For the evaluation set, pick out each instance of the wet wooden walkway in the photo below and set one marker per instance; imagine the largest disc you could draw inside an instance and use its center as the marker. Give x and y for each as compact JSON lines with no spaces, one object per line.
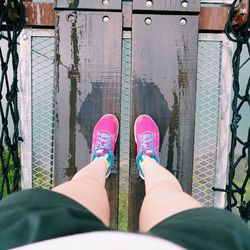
{"x":163,"y":80}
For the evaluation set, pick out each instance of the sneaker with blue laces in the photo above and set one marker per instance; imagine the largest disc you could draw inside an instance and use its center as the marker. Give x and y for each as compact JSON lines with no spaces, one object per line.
{"x":103,"y":140}
{"x":147,"y":138}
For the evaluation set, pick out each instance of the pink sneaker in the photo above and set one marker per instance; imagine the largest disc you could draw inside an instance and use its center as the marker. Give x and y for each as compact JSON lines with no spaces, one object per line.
{"x":147,"y":138}
{"x":104,"y":138}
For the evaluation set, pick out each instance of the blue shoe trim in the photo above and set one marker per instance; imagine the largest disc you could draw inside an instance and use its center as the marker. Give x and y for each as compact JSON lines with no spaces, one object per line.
{"x":139,"y":161}
{"x":104,"y":141}
{"x":110,"y":159}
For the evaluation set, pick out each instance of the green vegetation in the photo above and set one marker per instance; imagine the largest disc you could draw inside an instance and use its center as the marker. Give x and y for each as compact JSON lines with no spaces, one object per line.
{"x":42,"y":177}
{"x":200,"y":183}
{"x":7,"y":159}
{"x":123,"y":212}
{"x":239,"y":178}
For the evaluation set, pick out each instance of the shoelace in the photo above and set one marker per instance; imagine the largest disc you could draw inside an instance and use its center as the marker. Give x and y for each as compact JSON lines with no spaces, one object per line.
{"x":104,"y":141}
{"x":146,"y":142}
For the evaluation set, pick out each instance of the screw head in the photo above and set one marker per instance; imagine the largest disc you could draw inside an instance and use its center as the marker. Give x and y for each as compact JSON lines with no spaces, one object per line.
{"x":148,"y":20}
{"x":149,"y":3}
{"x":243,"y":11}
{"x":105,"y":19}
{"x":71,"y":18}
{"x":183,"y":21}
{"x":184,"y":4}
{"x":105,"y":2}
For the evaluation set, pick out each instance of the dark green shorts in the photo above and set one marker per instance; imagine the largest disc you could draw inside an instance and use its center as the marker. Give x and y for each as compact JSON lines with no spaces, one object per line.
{"x":36,"y":215}
{"x":205,"y":228}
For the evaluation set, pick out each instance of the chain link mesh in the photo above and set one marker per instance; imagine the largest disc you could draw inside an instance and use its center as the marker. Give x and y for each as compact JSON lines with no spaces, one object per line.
{"x":207,"y":115}
{"x":43,"y":73}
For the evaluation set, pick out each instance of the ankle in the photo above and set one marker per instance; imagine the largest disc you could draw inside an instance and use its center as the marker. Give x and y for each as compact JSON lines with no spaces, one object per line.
{"x":146,"y":161}
{"x":106,"y":159}
{"x":102,"y":161}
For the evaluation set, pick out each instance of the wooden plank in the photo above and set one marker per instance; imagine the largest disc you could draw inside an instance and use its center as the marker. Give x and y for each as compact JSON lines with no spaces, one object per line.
{"x":88,"y":60}
{"x":213,"y":19}
{"x":164,"y":59}
{"x":39,"y":14}
{"x":43,"y":14}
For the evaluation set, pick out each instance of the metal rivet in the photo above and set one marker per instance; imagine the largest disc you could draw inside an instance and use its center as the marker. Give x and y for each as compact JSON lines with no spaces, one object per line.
{"x":105,"y":2}
{"x":148,"y":20}
{"x":71,"y":18}
{"x":25,"y":37}
{"x":105,"y":19}
{"x":184,"y":4}
{"x":183,"y":21}
{"x":243,"y":11}
{"x":149,"y":3}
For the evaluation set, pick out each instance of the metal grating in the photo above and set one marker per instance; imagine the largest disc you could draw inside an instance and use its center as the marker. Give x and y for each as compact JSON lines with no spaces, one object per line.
{"x":207,"y":119}
{"x":42,"y":92}
{"x":124,"y":134}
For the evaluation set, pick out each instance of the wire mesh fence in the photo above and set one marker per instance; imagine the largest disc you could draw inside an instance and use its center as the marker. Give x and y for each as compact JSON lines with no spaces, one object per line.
{"x":43,"y":78}
{"x":207,"y":118}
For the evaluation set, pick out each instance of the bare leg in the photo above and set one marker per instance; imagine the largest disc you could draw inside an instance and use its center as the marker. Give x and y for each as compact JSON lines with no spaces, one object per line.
{"x":164,"y":196}
{"x":87,"y":187}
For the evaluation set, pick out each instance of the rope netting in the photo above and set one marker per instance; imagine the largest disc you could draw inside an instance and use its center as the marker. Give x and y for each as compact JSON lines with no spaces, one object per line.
{"x":11,"y":23}
{"x":237,"y":190}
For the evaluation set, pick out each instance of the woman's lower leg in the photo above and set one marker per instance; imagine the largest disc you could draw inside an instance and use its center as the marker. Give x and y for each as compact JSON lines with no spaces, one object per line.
{"x":164,"y":195}
{"x":87,"y":187}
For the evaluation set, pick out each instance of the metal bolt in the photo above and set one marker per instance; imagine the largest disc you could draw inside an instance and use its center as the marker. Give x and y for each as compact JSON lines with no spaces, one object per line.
{"x":71,"y":18}
{"x":243,"y":11}
{"x":105,"y":2}
{"x":105,"y":19}
{"x":25,"y":37}
{"x":149,"y":3}
{"x":148,"y":21}
{"x":183,"y":21}
{"x":184,"y":4}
